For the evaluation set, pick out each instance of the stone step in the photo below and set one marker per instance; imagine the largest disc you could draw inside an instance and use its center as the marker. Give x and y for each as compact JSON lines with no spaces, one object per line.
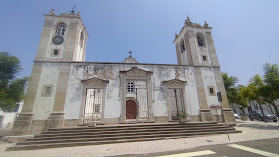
{"x":82,"y":129}
{"x":128,"y":132}
{"x":123,"y":136}
{"x":98,"y":131}
{"x":138,"y":125}
{"x":56,"y":145}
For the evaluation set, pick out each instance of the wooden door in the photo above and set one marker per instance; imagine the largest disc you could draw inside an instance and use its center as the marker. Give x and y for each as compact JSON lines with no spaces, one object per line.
{"x":131,"y":109}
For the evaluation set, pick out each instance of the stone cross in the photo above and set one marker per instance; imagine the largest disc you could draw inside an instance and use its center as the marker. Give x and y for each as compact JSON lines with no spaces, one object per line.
{"x":130,"y":53}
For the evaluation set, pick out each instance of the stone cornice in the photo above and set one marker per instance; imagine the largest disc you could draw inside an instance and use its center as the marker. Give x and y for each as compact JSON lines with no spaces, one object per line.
{"x":135,"y":64}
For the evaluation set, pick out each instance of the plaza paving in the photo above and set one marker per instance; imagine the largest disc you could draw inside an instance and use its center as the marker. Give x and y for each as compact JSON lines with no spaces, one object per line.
{"x":251,"y":130}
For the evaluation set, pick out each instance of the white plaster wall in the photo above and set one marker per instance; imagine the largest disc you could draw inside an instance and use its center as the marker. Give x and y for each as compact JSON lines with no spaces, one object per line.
{"x":43,"y":105}
{"x":112,"y":100}
{"x":160,"y":74}
{"x":209,"y":80}
{"x":112,"y":106}
{"x":74,"y":93}
{"x":193,"y":106}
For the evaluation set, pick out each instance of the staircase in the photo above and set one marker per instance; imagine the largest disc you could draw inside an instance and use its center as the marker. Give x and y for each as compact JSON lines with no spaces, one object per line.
{"x":84,"y":135}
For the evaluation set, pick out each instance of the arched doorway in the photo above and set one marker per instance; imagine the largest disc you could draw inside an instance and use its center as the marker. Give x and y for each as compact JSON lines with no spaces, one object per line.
{"x":131,"y":109}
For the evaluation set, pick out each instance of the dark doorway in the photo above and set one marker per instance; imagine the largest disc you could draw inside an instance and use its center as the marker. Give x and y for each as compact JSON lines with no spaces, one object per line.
{"x":131,"y":109}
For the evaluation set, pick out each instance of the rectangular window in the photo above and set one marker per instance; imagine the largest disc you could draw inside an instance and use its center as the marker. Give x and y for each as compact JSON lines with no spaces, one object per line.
{"x":47,"y":90}
{"x":211,"y":91}
{"x":55,"y":52}
{"x":130,"y":87}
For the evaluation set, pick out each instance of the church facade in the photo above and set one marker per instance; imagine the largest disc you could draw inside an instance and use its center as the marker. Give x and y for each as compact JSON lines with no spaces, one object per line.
{"x":65,"y":91}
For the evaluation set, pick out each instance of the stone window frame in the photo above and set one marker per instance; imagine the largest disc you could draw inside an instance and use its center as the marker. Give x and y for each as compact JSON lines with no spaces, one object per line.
{"x":127,"y":85}
{"x":209,"y":91}
{"x":44,"y":94}
{"x":52,"y":52}
{"x":206,"y":58}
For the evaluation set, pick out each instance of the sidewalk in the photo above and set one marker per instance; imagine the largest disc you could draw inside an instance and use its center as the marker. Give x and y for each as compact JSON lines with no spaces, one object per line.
{"x":251,"y":130}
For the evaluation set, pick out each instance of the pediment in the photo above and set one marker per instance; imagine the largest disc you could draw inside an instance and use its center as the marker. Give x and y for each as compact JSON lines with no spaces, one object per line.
{"x":175,"y":82}
{"x":95,"y":80}
{"x":136,"y":71}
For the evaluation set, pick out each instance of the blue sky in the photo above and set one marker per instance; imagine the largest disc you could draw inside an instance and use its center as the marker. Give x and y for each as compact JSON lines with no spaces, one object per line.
{"x":245,"y":33}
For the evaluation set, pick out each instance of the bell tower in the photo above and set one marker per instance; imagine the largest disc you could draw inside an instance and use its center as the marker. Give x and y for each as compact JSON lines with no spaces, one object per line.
{"x":195,"y":49}
{"x":63,"y":38}
{"x":194,"y":45}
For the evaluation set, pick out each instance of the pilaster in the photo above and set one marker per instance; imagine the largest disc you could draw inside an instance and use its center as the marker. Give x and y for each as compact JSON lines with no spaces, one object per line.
{"x":57,"y":115}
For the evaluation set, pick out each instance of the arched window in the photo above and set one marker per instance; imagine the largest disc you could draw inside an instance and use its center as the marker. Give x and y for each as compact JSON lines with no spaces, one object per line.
{"x":81,"y":39}
{"x":60,"y":30}
{"x":200,"y":39}
{"x":182,"y":46}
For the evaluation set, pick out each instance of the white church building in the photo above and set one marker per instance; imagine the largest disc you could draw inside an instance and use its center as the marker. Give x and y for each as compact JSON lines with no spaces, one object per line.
{"x":66,"y":91}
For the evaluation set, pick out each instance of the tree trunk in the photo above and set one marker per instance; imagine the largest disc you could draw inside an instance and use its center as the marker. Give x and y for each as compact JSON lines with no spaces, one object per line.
{"x":262,"y":112}
{"x":276,"y":109}
{"x":255,"y":106}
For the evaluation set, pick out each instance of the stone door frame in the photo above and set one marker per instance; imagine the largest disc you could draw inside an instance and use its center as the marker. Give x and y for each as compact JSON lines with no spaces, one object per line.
{"x":91,"y":84}
{"x":135,"y":74}
{"x":175,"y":84}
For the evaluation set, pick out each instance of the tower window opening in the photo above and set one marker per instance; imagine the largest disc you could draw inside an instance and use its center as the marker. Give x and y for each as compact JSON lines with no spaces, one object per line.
{"x":182,"y":46}
{"x":200,"y":39}
{"x":211,"y":90}
{"x":81,"y":39}
{"x":60,"y":30}
{"x":204,"y":58}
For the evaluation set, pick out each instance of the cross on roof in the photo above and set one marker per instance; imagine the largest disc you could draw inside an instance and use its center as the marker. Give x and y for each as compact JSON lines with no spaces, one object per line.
{"x":130,"y":53}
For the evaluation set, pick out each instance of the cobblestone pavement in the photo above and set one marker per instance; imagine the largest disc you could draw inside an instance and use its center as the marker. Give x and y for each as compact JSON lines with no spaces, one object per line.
{"x":251,"y":130}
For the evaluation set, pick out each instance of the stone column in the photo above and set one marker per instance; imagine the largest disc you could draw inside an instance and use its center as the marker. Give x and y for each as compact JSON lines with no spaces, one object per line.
{"x":205,"y":113}
{"x":22,"y":124}
{"x":56,"y":118}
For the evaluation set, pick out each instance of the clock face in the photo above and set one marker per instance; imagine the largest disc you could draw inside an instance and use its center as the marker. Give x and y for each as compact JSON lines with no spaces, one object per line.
{"x":57,"y":40}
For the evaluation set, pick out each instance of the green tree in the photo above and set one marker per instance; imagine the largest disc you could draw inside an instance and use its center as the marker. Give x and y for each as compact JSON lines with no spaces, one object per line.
{"x":270,"y":89}
{"x":254,"y":93}
{"x":11,"y":88}
{"x":233,"y":92}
